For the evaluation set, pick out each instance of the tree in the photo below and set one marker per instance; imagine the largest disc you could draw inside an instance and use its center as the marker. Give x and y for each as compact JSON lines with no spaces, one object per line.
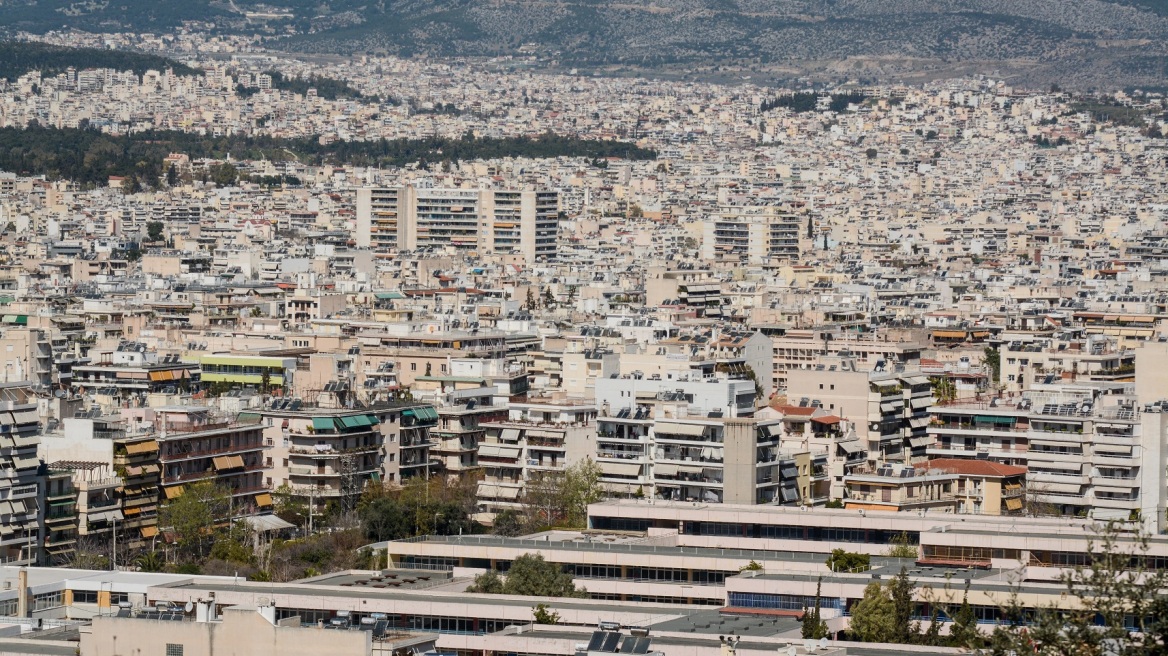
{"x":944,"y":389}
{"x":871,"y":153}
{"x":814,"y":627}
{"x":488,"y":582}
{"x":150,"y":561}
{"x":508,"y":523}
{"x":154,"y":230}
{"x":387,"y":519}
{"x":963,"y":633}
{"x":549,"y":299}
{"x":193,"y":516}
{"x":224,"y":175}
{"x":900,"y":589}
{"x":543,"y":615}
{"x":993,"y":360}
{"x":1119,"y":585}
{"x":581,"y":487}
{"x":902,"y":547}
{"x":873,"y":617}
{"x":846,"y":561}
{"x":530,"y":303}
{"x":532,"y":576}
{"x":171,"y":175}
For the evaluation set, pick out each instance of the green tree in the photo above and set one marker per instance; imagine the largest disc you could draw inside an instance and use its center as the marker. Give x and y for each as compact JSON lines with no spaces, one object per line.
{"x":902,"y":547}
{"x":846,"y":561}
{"x":900,"y":589}
{"x":154,"y":230}
{"x":387,"y":519}
{"x":224,"y":175}
{"x":874,"y":617}
{"x":150,"y":561}
{"x":549,"y":299}
{"x":993,"y":360}
{"x":814,"y":627}
{"x":194,"y":515}
{"x":1118,"y":585}
{"x":508,"y":523}
{"x":172,"y":176}
{"x":963,"y":632}
{"x":532,"y":576}
{"x":542,"y":615}
{"x":489,"y":582}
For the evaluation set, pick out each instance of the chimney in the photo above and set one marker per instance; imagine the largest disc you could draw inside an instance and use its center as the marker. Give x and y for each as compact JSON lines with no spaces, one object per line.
{"x":22,"y":593}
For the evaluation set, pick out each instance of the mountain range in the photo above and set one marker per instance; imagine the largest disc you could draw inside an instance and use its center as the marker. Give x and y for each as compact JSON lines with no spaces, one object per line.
{"x":1074,"y":43}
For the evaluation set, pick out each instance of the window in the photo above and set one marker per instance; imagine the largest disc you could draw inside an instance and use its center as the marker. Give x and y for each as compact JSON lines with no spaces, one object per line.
{"x":413,"y":366}
{"x":173,"y":649}
{"x":85,"y":596}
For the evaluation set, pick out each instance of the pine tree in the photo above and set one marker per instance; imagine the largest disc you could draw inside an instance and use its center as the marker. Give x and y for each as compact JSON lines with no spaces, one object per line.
{"x":873,"y":618}
{"x":901,"y":590}
{"x":964,"y":631}
{"x":814,"y":627}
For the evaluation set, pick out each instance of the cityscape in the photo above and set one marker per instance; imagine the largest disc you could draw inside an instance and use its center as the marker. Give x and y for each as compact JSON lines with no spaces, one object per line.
{"x":314,"y":345}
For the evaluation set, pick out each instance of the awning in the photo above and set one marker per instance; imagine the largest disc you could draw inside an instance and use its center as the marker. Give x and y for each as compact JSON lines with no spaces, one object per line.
{"x":494,"y":491}
{"x":992,"y":419}
{"x":1014,"y":504}
{"x":172,"y":492}
{"x":267,"y":523}
{"x":1013,"y":486}
{"x":509,"y":435}
{"x":789,"y":494}
{"x":248,"y":417}
{"x":26,"y":462}
{"x":665,"y":470}
{"x":149,"y":531}
{"x":26,"y":417}
{"x":920,"y":442}
{"x":923,"y":402}
{"x":1058,"y":488}
{"x":149,"y":446}
{"x":323,"y":424}
{"x":690,"y":430}
{"x":498,"y":451}
{"x":425,"y":413}
{"x":161,"y":375}
{"x":948,"y":334}
{"x":264,"y":499}
{"x":890,"y":407}
{"x":620,"y":468}
{"x":688,"y":469}
{"x":222,"y":463}
{"x":918,"y":422}
{"x":789,"y":471}
{"x":109,"y":515}
{"x":851,"y":446}
{"x":772,"y":430}
{"x":917,"y":380}
{"x":351,"y":422}
{"x":131,"y":512}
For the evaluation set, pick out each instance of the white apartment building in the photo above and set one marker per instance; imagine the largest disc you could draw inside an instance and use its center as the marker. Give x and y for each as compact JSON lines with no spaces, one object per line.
{"x":524,"y":224}
{"x":753,"y":235}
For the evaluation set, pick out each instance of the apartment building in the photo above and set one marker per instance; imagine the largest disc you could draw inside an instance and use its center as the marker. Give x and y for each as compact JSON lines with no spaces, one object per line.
{"x":115,"y":476}
{"x":331,"y":454}
{"x":20,"y":431}
{"x":942,"y":485}
{"x":537,"y":438}
{"x":754,"y":235}
{"x":804,"y":349}
{"x":887,"y":406}
{"x":196,"y":445}
{"x":1090,"y":448}
{"x":524,"y":224}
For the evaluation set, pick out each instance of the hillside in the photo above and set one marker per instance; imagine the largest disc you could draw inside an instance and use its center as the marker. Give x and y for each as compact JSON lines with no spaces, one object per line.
{"x":1077,"y":43}
{"x":18,"y":58}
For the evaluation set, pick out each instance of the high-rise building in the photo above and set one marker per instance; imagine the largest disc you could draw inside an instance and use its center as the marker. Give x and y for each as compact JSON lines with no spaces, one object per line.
{"x":486,"y":221}
{"x":19,"y":515}
{"x":754,"y":235}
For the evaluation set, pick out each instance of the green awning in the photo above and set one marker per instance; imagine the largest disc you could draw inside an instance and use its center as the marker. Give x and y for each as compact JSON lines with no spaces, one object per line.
{"x":990,"y":419}
{"x":389,"y":296}
{"x":323,"y":424}
{"x":19,"y":319}
{"x":426,"y":413}
{"x":350,"y":422}
{"x":248,"y":417}
{"x":375,"y":477}
{"x":373,"y":420}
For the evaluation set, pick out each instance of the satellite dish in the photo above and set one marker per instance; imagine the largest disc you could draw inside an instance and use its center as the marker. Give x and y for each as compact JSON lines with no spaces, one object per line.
{"x":189,"y":607}
{"x":823,"y":643}
{"x":809,"y":646}
{"x":792,"y":651}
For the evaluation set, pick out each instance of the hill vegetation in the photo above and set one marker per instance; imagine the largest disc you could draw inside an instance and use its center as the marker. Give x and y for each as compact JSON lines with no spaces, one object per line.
{"x":19,"y":57}
{"x":89,"y":157}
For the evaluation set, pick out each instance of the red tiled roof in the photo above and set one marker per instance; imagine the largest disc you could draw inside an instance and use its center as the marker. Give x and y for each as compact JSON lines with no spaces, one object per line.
{"x":973,"y":467}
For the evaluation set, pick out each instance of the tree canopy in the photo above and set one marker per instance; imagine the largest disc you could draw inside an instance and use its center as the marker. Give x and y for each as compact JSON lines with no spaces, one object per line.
{"x":530,"y":576}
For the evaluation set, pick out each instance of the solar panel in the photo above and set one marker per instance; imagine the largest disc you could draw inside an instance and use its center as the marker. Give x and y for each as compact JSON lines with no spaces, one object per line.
{"x":627,"y":645}
{"x":611,"y":640}
{"x":642,"y":645}
{"x":597,"y":641}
